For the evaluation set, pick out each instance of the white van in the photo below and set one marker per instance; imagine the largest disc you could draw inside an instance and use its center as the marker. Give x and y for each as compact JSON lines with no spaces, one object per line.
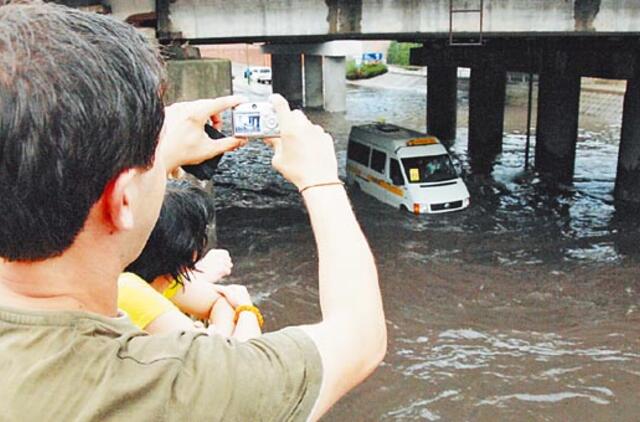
{"x":404,"y":168}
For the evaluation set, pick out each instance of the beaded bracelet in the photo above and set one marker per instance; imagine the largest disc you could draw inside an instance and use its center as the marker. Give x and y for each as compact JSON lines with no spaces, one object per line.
{"x":339,"y":182}
{"x":249,"y":308}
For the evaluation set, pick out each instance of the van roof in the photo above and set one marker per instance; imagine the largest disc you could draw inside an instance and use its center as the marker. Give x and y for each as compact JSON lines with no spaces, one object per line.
{"x":389,"y":136}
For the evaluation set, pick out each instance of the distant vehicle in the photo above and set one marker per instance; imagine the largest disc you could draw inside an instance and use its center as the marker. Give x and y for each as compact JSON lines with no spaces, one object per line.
{"x":259,"y":74}
{"x":405,"y":169}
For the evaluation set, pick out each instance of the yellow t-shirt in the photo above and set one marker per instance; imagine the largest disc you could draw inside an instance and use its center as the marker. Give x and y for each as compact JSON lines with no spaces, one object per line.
{"x":140,"y":301}
{"x":172,"y":290}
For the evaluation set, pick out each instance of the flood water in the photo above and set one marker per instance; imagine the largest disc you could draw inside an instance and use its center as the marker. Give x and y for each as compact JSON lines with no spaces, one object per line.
{"x":526,"y":306}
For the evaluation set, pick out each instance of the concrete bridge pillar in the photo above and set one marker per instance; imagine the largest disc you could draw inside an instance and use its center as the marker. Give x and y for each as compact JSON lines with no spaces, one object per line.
{"x":335,"y":84}
{"x":324,"y":72}
{"x":628,"y":175}
{"x":313,"y":82}
{"x":442,"y":97}
{"x":487,"y":91}
{"x":286,"y":70}
{"x":557,"y":125}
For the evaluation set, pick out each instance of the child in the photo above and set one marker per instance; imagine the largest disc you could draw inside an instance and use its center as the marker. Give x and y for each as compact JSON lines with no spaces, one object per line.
{"x":180,"y":276}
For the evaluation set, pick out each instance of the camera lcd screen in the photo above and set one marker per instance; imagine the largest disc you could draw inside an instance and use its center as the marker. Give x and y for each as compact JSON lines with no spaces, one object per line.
{"x":247,"y":123}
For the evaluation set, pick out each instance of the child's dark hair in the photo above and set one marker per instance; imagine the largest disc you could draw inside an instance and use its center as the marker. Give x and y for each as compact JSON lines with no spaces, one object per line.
{"x":179,"y":238}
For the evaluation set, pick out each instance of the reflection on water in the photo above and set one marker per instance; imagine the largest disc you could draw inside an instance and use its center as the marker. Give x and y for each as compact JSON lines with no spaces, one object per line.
{"x":523,"y":307}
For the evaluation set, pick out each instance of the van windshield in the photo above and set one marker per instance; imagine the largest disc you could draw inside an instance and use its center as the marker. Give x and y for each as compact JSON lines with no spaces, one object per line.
{"x":435,"y":168}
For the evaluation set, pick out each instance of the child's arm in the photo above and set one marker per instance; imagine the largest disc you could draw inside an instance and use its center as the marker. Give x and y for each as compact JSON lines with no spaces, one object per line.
{"x":221,"y":317}
{"x":170,"y":321}
{"x":203,"y":301}
{"x":198,"y":296}
{"x":247,"y":325}
{"x":194,"y":297}
{"x":148,"y":309}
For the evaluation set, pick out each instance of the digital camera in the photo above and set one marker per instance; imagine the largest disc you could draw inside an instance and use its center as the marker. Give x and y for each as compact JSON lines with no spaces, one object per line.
{"x":255,"y":120}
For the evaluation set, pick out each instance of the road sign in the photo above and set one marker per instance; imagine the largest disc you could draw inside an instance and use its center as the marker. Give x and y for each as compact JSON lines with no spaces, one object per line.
{"x":371,"y":57}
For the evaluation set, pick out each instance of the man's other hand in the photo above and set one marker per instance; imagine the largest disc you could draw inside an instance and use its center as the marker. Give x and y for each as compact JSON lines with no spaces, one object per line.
{"x":304,"y":153}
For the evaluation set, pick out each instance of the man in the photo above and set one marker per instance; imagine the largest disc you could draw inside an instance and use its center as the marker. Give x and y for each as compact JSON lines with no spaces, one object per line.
{"x":85,"y":147}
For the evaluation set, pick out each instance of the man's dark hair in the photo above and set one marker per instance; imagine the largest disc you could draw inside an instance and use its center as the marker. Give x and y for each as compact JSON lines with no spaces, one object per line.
{"x":179,"y":238}
{"x":80,"y":101}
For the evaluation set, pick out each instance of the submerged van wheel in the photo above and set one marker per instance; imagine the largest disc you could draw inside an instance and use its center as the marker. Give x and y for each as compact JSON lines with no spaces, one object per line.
{"x":355,"y":188}
{"x":403,"y":208}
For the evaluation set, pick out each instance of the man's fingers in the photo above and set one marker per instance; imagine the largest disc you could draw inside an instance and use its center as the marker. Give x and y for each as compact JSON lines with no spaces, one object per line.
{"x":273,"y":142}
{"x":276,"y":145}
{"x":280,"y":105}
{"x":226,"y":144}
{"x":298,"y":114}
{"x":203,"y":109}
{"x":216,"y":148}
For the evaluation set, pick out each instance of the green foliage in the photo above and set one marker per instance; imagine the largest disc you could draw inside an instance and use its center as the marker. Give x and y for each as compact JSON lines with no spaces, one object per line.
{"x":398,"y":52}
{"x":365,"y":71}
{"x":352,"y":69}
{"x":373,"y":69}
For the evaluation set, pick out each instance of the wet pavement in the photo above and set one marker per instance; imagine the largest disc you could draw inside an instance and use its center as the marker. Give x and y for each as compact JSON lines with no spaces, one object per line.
{"x":526,"y":306}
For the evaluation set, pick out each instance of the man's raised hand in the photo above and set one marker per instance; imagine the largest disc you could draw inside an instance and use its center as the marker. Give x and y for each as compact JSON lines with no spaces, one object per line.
{"x":304,"y":152}
{"x":183,"y":139}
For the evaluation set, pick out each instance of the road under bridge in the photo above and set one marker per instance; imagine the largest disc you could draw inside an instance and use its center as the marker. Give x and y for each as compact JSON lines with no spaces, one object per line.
{"x":559,"y":41}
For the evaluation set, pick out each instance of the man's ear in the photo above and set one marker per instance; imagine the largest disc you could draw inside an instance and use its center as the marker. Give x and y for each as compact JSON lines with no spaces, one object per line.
{"x":118,"y":198}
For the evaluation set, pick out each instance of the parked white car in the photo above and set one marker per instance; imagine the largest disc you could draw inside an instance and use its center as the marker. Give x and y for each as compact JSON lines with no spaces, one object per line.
{"x":259,"y":74}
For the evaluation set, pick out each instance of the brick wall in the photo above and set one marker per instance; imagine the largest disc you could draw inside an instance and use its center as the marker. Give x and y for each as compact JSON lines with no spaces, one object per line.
{"x":238,"y":53}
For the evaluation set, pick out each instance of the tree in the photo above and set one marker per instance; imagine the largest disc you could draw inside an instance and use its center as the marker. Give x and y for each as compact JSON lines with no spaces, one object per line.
{"x":398,"y":52}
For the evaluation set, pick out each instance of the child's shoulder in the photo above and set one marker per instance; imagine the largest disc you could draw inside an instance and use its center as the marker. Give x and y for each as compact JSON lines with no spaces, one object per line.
{"x":140,"y":301}
{"x":132,"y":280}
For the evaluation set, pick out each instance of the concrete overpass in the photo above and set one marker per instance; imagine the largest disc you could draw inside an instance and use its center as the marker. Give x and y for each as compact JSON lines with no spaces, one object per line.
{"x":215,"y":21}
{"x":559,"y":40}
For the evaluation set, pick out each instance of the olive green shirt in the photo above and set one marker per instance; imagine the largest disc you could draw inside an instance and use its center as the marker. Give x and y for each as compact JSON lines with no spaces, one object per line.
{"x":76,"y":366}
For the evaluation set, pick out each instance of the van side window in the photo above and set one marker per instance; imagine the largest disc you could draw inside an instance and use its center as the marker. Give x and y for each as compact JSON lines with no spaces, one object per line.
{"x":358,"y":153}
{"x":378,"y":161}
{"x":395,"y":173}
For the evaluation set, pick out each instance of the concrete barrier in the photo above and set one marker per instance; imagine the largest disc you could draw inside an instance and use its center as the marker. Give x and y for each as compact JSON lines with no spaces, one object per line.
{"x":195,"y":79}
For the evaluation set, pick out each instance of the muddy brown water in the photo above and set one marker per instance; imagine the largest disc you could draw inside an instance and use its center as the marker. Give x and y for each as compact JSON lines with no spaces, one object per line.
{"x":526,"y":306}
